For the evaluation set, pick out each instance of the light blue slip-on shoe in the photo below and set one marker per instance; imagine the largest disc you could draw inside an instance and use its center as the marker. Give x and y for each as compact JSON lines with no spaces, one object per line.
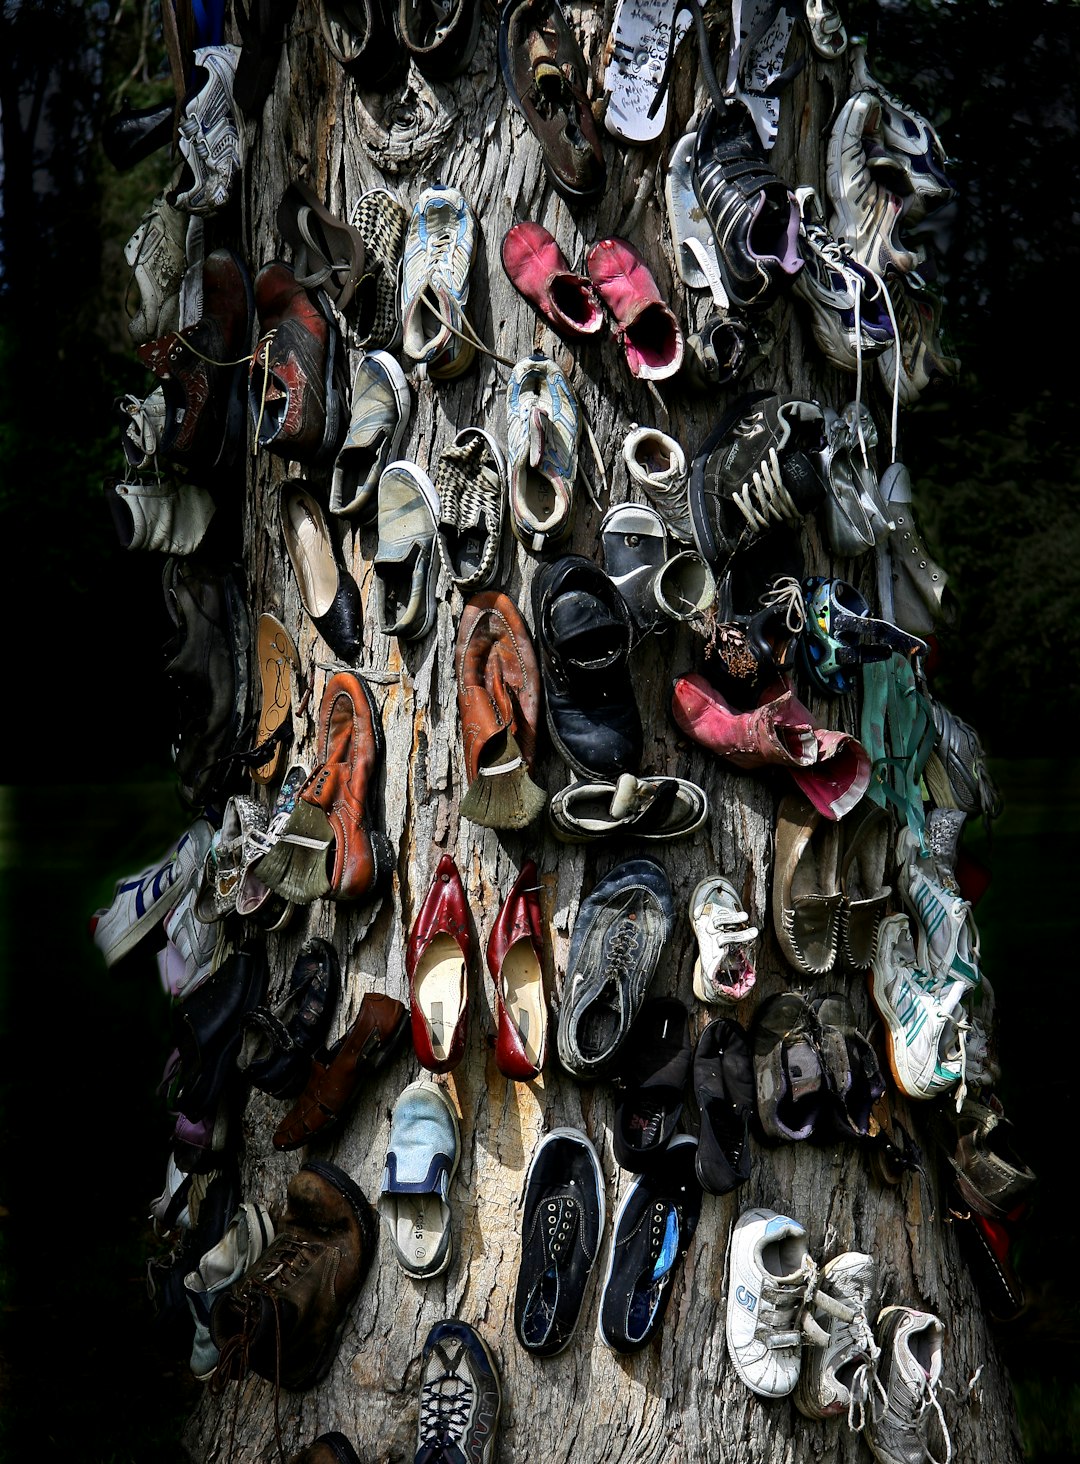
{"x":421,"y":1160}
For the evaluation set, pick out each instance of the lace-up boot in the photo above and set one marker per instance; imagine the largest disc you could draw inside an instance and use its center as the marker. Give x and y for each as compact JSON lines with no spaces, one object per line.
{"x":756,"y":470}
{"x":283,"y":1319}
{"x":769,"y":1268}
{"x":459,"y":1397}
{"x":838,"y":1370}
{"x":910,"y":1366}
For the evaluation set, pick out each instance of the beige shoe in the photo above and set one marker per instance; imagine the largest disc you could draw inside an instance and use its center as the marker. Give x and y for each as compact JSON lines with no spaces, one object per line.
{"x":806,"y":898}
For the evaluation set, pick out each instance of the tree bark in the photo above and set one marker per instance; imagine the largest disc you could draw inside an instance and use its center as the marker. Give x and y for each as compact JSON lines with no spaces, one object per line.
{"x":680,"y":1399}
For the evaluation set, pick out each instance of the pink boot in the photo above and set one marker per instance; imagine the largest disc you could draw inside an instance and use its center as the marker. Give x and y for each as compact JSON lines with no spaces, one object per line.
{"x":538,"y":270}
{"x":648,"y":329}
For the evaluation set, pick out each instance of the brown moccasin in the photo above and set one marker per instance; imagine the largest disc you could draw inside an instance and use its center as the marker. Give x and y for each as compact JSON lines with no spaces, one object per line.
{"x":806,"y":898}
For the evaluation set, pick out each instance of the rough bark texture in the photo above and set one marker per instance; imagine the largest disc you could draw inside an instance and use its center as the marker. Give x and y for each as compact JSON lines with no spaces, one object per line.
{"x":680,"y":1399}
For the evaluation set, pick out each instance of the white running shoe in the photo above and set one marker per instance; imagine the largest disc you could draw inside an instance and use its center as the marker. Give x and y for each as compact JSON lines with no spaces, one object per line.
{"x":946,"y":936}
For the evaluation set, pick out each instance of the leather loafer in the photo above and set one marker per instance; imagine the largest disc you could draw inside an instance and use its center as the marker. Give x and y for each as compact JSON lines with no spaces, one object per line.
{"x":437,"y":960}
{"x":209,"y":1028}
{"x":277,"y":1046}
{"x":514,"y":957}
{"x":328,"y":591}
{"x":338,"y":1074}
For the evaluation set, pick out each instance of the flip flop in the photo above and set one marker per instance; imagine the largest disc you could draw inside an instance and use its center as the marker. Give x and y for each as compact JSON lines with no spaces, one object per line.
{"x":691,"y":232}
{"x":328,"y":253}
{"x":279,"y":663}
{"x":636,"y":76}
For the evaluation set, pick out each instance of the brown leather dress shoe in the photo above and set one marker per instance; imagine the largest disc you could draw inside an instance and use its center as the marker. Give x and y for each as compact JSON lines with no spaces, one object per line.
{"x":498,"y":693}
{"x":336,"y":1079}
{"x":283,"y":1318}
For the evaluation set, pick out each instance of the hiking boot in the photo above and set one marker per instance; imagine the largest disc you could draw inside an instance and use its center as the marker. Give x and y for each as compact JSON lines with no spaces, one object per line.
{"x":440,"y":245}
{"x":459,"y":1397}
{"x":839,"y":1361}
{"x":284,"y":1318}
{"x":769,"y":1266}
{"x":543,"y":427}
{"x":619,"y":936}
{"x":651,"y":1232}
{"x":755,"y":470}
{"x":910,"y":1373}
{"x":562,"y":1221}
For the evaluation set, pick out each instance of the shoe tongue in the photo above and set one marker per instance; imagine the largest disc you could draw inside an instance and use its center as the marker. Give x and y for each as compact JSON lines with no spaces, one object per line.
{"x":586,"y":631}
{"x":536,"y":437}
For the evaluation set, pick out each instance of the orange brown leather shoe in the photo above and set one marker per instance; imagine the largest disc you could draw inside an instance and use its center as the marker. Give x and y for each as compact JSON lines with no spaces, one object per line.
{"x":498,"y":693}
{"x":336,"y":1079}
{"x":350,"y":751}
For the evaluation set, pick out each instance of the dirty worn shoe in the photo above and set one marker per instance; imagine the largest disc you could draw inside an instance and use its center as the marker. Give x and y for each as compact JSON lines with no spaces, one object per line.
{"x":440,"y":246}
{"x":460,"y":1397}
{"x":838,"y":1374}
{"x":769,"y":1268}
{"x":911,"y":1429}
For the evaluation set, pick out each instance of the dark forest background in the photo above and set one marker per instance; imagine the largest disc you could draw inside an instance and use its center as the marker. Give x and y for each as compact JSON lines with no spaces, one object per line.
{"x":87,"y":777}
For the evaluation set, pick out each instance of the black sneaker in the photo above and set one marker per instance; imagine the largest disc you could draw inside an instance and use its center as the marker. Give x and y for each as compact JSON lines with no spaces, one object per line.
{"x":853,"y":1078}
{"x":723,"y":1094}
{"x":619,"y":936}
{"x":584,"y":634}
{"x":459,"y":1397}
{"x":562,"y":1221}
{"x":653,"y":1228}
{"x":655,"y":1073}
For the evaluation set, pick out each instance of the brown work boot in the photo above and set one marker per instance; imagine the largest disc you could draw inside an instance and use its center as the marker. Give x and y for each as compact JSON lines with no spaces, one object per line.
{"x":336,"y":1080}
{"x":283,"y":1319}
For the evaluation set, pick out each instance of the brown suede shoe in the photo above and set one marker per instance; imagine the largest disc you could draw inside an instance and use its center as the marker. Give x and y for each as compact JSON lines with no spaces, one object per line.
{"x":284,"y":1318}
{"x":367,"y":1046}
{"x":498,"y":691}
{"x":328,"y":1448}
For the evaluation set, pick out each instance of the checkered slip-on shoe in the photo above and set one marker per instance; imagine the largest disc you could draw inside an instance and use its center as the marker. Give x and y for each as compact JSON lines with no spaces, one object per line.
{"x":381,"y":222}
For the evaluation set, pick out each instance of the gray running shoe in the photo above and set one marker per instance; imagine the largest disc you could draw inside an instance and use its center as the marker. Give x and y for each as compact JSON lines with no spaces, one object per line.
{"x":910,"y":1370}
{"x":838,"y":1373}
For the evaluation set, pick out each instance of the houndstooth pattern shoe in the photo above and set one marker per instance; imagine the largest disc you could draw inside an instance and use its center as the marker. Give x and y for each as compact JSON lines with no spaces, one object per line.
{"x":470,"y":479}
{"x":381,"y":220}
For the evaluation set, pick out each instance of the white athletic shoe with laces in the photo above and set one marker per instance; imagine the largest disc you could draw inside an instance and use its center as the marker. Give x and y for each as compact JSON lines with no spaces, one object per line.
{"x":910,"y":1367}
{"x":724,"y":968}
{"x":946,"y":936}
{"x":440,"y":245}
{"x":926,"y":1024}
{"x":769,"y":1269}
{"x":839,"y":1362}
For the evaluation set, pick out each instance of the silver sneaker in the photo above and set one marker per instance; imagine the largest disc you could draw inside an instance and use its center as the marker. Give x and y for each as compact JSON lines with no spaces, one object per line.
{"x":212,"y":135}
{"x":910,"y":1369}
{"x":839,"y":1365}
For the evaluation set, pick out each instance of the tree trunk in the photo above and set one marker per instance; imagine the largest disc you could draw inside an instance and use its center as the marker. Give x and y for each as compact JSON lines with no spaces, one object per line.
{"x":680,"y":1399}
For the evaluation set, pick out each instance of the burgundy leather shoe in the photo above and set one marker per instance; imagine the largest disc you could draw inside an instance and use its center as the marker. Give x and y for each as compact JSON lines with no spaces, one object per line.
{"x":650,"y":333}
{"x":437,"y":961}
{"x":514,"y":957}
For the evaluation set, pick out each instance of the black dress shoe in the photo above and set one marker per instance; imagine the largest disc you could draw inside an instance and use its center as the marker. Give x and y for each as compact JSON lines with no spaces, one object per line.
{"x":328,"y":591}
{"x":562,"y":1218}
{"x":134,"y":133}
{"x":277,"y":1046}
{"x":584,"y":633}
{"x":208,"y":1028}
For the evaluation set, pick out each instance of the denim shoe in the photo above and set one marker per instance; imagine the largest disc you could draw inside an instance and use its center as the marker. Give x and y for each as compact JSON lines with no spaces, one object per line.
{"x":440,"y":245}
{"x":543,"y":428}
{"x":405,"y":568}
{"x":561,"y":1225}
{"x":619,"y":936}
{"x":769,"y":1266}
{"x":141,"y":901}
{"x":381,"y":404}
{"x":459,"y":1397}
{"x":421,"y":1160}
{"x":652,"y":1230}
{"x":248,"y":1235}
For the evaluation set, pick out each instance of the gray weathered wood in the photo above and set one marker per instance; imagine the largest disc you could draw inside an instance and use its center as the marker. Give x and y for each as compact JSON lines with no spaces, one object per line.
{"x":679,"y":1401}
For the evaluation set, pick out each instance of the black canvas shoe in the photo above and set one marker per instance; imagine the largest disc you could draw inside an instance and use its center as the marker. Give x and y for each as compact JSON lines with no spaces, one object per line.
{"x":561,"y":1224}
{"x":655,"y":1073}
{"x":654,"y":1225}
{"x":723,"y":1094}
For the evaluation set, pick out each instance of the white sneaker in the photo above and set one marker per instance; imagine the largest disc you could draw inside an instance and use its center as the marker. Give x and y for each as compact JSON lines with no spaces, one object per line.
{"x":838,"y":1373}
{"x":724,"y":969}
{"x":142,"y":901}
{"x":157,"y":254}
{"x":769,"y":1266}
{"x":211,"y":136}
{"x":946,"y":936}
{"x":926,"y":1026}
{"x":249,"y":1233}
{"x":543,"y":430}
